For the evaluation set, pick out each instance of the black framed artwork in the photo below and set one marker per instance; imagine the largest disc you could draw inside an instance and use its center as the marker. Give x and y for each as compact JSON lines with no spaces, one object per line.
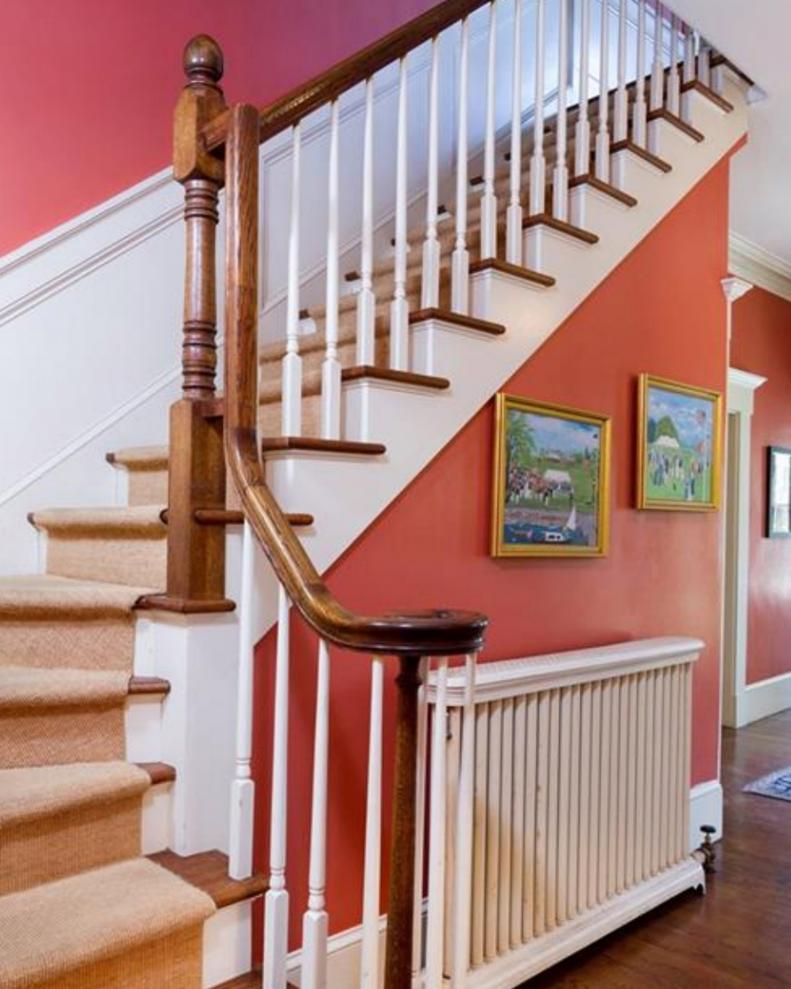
{"x":778,"y":492}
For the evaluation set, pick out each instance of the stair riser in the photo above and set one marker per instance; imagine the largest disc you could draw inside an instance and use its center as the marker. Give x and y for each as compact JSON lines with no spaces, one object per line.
{"x":140,"y":562}
{"x":147,"y":487}
{"x":100,"y":643}
{"x":35,"y":736}
{"x":227,"y":944}
{"x":39,"y":851}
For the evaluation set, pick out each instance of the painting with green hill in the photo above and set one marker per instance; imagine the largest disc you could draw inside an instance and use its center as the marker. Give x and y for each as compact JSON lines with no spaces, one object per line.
{"x":679,"y":446}
{"x":550,"y":483}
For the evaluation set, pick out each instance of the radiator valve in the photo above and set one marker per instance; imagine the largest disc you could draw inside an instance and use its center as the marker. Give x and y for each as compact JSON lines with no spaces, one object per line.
{"x":708,"y":848}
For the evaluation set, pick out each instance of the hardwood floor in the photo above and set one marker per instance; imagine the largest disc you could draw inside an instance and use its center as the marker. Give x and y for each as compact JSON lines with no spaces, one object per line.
{"x":738,"y":936}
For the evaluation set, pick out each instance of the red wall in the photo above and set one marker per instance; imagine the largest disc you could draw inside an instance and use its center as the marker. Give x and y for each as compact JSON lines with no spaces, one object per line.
{"x":762,"y":344}
{"x":89,"y":86}
{"x":662,"y":311}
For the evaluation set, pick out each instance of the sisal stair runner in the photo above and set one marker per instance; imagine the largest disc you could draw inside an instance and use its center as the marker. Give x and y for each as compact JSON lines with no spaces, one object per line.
{"x":130,"y":925}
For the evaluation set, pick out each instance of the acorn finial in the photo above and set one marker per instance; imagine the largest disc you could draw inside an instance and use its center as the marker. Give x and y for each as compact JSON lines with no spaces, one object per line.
{"x":203,"y":62}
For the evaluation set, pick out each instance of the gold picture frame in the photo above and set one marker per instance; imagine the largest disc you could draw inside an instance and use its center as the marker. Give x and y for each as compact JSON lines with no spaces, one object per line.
{"x":679,"y":446}
{"x":551,"y":481}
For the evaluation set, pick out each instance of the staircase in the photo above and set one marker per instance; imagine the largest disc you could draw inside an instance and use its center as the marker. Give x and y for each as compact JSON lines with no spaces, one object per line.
{"x":366,"y":387}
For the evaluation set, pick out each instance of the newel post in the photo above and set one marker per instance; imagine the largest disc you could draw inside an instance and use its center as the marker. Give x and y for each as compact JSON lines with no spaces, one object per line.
{"x":400,"y":906}
{"x":196,"y":552}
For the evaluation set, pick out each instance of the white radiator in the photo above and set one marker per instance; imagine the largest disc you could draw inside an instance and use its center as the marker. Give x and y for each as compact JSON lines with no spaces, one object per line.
{"x":559,"y":805}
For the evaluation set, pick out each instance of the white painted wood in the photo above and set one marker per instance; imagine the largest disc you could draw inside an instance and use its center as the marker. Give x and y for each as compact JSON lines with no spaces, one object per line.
{"x":452,"y":783}
{"x":705,"y":807}
{"x":585,"y":833}
{"x":673,"y":79}
{"x":603,"y":133}
{"x":537,"y":160}
{"x":436,"y":853}
{"x":622,"y":776}
{"x":690,"y":66}
{"x":540,"y":918}
{"x":596,"y":859}
{"x":227,"y":944}
{"x":315,"y":924}
{"x":366,"y":298}
{"x":513,"y":220}
{"x":504,"y":823}
{"x":517,"y":826}
{"x":399,"y":308}
{"x":488,"y":198}
{"x":641,"y":777}
{"x":639,"y":112}
{"x":480,"y":817}
{"x":369,"y":964}
{"x":460,"y":262}
{"x":621,"y":108}
{"x":276,"y":899}
{"x":606,"y":795}
{"x":292,"y":362}
{"x":574,"y":802}
{"x":240,"y":855}
{"x":531,"y":784}
{"x":564,"y":800}
{"x":420,"y":818}
{"x":431,"y":251}
{"x":156,"y":819}
{"x":331,"y":366}
{"x":465,"y":817}
{"x":657,"y":95}
{"x":582,"y":137}
{"x":493,"y":828}
{"x":631,"y":785}
{"x":560,"y":179}
{"x":704,"y":64}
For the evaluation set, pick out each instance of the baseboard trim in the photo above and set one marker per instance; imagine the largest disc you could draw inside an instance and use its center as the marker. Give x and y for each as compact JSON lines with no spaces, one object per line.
{"x":705,"y":807}
{"x":763,"y":699}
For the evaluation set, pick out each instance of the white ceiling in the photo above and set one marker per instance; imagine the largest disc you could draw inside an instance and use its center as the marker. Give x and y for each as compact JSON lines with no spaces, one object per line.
{"x":755,"y":37}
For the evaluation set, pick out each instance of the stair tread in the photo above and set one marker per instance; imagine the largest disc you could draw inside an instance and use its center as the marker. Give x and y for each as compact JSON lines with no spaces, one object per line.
{"x":606,"y":187}
{"x":140,"y":457}
{"x":662,"y":113}
{"x":547,"y":220}
{"x":209,"y":872}
{"x":56,"y":928}
{"x":148,"y":685}
{"x":31,"y":596}
{"x":276,"y":444}
{"x":158,"y":772}
{"x":361,"y":372}
{"x":700,"y":87}
{"x":33,"y":687}
{"x":652,"y":159}
{"x":517,"y":270}
{"x":137,"y":520}
{"x":32,"y":792}
{"x":458,"y":319}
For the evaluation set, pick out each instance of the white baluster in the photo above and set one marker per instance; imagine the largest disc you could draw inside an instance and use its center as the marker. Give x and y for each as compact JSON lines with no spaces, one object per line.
{"x":460,"y":262}
{"x":436,"y":848}
{"x":366,"y":299}
{"x":538,"y":177}
{"x":240,"y":853}
{"x":276,"y":899}
{"x":603,"y":134}
{"x":513,"y":236}
{"x":465,"y":813}
{"x":331,"y":367}
{"x":399,"y":307}
{"x":488,"y":197}
{"x":431,"y":252}
{"x":689,"y":53}
{"x":316,"y":921}
{"x":560,"y":182}
{"x":582,"y":133}
{"x":704,"y":63}
{"x":658,"y":68}
{"x":673,"y":81}
{"x":291,"y":411}
{"x":621,"y":109}
{"x":639,"y":117}
{"x":420,"y":818}
{"x":369,"y":965}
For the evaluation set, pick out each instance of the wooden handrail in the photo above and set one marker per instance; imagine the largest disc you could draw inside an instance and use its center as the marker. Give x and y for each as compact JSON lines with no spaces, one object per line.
{"x":294,"y":106}
{"x":439,"y":632}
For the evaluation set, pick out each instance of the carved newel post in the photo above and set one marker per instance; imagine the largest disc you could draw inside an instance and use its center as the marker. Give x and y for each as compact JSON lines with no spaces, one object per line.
{"x":196,"y":551}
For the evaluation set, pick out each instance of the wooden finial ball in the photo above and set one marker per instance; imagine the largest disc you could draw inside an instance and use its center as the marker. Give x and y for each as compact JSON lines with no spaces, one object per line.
{"x":203,"y":60}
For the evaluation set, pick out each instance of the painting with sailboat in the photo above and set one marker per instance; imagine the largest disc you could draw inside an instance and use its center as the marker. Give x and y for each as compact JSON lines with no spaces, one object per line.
{"x":551,"y":472}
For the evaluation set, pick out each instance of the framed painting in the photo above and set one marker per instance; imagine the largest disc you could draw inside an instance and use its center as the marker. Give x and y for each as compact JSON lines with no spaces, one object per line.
{"x":679,"y":454}
{"x":551,"y":480}
{"x":778,"y":492}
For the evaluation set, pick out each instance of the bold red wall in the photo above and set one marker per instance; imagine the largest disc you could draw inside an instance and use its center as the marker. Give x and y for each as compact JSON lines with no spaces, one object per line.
{"x":662,"y":311}
{"x":762,"y":344}
{"x":90,"y":86}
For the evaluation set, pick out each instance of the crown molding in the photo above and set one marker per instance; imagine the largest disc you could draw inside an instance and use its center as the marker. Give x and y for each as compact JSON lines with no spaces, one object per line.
{"x":752,"y":263}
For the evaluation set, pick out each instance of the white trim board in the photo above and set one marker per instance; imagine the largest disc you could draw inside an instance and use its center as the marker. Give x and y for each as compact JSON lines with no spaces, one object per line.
{"x":754,"y":264}
{"x":705,"y":807}
{"x":763,"y":699}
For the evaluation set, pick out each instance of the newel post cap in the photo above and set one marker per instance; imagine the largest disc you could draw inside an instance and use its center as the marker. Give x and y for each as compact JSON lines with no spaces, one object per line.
{"x":203,"y":60}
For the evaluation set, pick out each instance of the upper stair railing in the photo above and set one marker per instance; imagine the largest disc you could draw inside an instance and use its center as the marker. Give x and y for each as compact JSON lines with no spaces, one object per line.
{"x":549,"y":116}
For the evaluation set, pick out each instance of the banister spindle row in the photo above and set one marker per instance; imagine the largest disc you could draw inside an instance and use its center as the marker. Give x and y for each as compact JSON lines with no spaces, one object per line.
{"x":560,"y":178}
{"x":488,"y":196}
{"x":639,"y":114}
{"x":513,"y":235}
{"x":603,"y":133}
{"x":399,"y":307}
{"x":538,"y":178}
{"x":431,"y":250}
{"x":460,"y":261}
{"x":582,"y":133}
{"x":366,"y":299}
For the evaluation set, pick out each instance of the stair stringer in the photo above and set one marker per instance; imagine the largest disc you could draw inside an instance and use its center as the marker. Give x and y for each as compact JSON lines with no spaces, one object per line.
{"x":345,"y":493}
